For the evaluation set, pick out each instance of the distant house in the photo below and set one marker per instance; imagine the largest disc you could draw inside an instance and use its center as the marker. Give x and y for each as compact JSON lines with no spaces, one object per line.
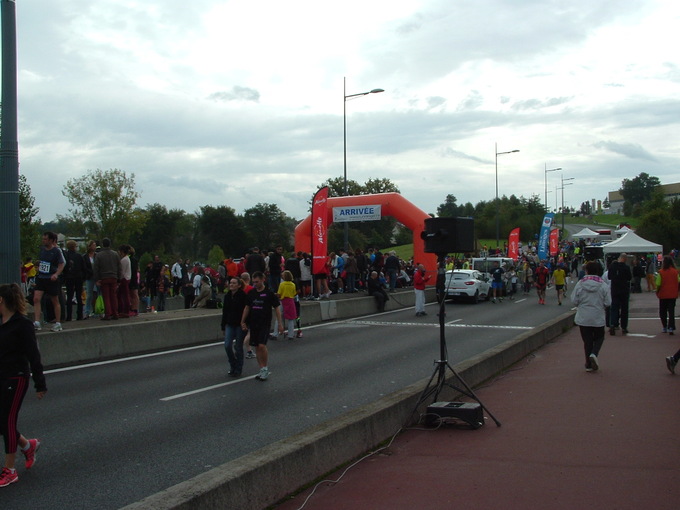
{"x":670,"y":191}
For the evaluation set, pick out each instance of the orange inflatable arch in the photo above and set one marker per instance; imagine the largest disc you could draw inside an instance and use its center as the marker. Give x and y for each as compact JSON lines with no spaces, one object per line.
{"x":392,"y":204}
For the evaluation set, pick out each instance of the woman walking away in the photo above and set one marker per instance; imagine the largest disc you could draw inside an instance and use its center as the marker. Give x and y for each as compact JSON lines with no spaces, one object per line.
{"x":667,"y":292}
{"x":19,"y":357}
{"x":232,"y":311}
{"x":591,"y":296}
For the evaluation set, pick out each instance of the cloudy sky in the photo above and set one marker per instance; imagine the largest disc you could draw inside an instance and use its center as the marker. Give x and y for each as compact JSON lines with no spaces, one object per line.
{"x":238,"y":102}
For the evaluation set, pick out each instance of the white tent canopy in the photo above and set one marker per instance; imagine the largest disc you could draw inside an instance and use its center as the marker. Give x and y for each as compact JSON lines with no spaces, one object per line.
{"x":587,"y":233}
{"x":631,"y":243}
{"x":623,"y":230}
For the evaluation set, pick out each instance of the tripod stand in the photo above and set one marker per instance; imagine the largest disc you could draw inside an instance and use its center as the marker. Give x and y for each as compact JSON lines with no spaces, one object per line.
{"x":442,"y":409}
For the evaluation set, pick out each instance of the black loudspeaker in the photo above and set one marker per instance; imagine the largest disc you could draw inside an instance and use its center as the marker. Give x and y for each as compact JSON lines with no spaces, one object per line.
{"x":449,"y":235}
{"x":593,"y":252}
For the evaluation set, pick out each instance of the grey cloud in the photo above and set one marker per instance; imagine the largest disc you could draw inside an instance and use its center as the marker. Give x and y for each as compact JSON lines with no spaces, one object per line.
{"x":473,"y":100}
{"x":630,"y":150}
{"x":434,"y":101}
{"x":536,"y":104}
{"x":449,"y":152}
{"x":236,"y":94}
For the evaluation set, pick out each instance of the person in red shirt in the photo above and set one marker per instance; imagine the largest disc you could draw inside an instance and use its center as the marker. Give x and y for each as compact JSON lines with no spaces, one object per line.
{"x":541,"y":276}
{"x":420,"y":278}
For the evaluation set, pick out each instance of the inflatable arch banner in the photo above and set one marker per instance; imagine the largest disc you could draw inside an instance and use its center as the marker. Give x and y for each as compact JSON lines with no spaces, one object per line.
{"x":391,"y":204}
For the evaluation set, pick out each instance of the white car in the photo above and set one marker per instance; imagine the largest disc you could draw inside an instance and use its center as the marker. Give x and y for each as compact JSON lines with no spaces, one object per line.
{"x":466,"y":283}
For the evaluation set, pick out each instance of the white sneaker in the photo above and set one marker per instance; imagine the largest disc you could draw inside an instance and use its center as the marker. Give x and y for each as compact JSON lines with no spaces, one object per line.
{"x":57,"y":327}
{"x":593,"y":362}
{"x":37,"y":325}
{"x":263,"y":375}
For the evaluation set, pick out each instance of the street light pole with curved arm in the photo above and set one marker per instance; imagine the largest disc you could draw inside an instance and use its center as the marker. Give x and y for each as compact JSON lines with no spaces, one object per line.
{"x":498,"y":205}
{"x":344,"y":124}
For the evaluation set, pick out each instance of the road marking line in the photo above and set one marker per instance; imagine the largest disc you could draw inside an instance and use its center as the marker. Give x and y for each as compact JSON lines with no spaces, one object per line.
{"x":207,"y":388}
{"x":436,"y":325}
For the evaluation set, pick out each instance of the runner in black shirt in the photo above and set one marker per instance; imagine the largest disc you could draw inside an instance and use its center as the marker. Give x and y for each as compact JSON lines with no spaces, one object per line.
{"x":257,"y":316}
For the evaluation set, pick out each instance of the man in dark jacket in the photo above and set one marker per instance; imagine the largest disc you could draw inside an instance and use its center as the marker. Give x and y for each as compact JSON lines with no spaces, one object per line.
{"x":107,"y":271}
{"x":619,"y":275}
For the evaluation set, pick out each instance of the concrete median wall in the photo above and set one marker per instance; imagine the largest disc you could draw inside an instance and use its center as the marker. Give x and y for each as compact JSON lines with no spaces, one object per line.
{"x":284,"y":467}
{"x":88,"y":341}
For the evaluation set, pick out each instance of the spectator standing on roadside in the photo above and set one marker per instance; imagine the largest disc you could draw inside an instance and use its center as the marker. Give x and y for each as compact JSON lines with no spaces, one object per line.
{"x":419,"y":280}
{"x":162,"y":290}
{"x":306,"y":276}
{"x":19,"y":359}
{"x":124,"y":282}
{"x":74,"y":274}
{"x":176,"y":272}
{"x":619,"y":275}
{"x":352,"y":272}
{"x":257,"y":318}
{"x":651,"y":274}
{"x":392,"y":268}
{"x":255,"y":262}
{"x":50,"y":267}
{"x":107,"y":272}
{"x":667,"y":292}
{"x":591,"y":296}
{"x":134,"y":281}
{"x":90,"y":284}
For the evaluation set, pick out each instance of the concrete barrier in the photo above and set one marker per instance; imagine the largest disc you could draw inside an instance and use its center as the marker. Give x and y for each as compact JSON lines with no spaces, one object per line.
{"x":94,"y":340}
{"x":262,"y":478}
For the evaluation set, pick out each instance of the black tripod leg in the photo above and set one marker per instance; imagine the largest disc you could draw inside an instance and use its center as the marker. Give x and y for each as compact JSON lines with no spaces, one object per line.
{"x":471,"y":394}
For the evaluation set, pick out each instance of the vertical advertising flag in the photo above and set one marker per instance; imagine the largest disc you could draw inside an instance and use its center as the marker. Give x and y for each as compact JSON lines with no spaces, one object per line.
{"x":544,"y":235}
{"x":555,"y":242}
{"x":320,"y":230}
{"x":513,"y":244}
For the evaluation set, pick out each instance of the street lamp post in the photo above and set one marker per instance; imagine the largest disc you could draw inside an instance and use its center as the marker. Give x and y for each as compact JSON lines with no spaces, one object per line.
{"x":562,"y":188}
{"x":546,"y":183}
{"x":344,"y":124}
{"x":498,"y":205}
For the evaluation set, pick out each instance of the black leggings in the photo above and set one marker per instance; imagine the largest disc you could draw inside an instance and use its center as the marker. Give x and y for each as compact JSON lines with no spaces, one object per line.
{"x":667,"y":313}
{"x":593,"y":338}
{"x":12,"y":393}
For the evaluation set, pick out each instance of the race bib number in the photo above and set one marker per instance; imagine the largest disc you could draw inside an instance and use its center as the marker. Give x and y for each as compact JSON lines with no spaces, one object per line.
{"x":44,"y":267}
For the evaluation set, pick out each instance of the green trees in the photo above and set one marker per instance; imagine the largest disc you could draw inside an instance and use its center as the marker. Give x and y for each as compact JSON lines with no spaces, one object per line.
{"x":636,"y":191}
{"x":29,"y":224}
{"x":104,"y":204}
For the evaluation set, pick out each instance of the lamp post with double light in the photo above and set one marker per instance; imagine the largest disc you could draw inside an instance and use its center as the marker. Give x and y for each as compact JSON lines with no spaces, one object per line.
{"x":344,"y":124}
{"x":562,"y":188}
{"x":546,"y":184}
{"x":498,"y":205}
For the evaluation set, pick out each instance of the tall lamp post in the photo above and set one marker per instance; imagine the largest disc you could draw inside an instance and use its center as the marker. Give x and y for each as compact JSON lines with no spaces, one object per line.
{"x":10,"y":250}
{"x":344,"y":123}
{"x":562,"y":188}
{"x":546,"y":183}
{"x":498,"y":205}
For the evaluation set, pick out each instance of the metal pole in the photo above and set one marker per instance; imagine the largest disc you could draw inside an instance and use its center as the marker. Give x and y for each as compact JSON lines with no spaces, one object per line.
{"x":498,"y":207}
{"x":344,"y":130}
{"x":10,"y":250}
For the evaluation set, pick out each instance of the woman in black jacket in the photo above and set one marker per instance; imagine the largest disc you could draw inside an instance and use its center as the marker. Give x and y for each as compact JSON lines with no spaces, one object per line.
{"x":19,"y":357}
{"x":232,"y":311}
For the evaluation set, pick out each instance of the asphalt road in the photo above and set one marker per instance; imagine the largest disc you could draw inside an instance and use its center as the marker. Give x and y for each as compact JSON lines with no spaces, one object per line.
{"x":117,"y":432}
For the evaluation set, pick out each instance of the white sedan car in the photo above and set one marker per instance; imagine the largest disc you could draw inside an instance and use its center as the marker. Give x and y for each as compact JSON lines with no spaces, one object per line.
{"x":466,"y":283}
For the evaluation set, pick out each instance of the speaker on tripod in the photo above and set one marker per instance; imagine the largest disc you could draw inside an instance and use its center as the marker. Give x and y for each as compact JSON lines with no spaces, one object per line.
{"x":449,"y":235}
{"x":443,"y":236}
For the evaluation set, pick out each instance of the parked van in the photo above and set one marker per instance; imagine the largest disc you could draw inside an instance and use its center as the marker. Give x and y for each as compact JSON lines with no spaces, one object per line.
{"x":486,"y":264}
